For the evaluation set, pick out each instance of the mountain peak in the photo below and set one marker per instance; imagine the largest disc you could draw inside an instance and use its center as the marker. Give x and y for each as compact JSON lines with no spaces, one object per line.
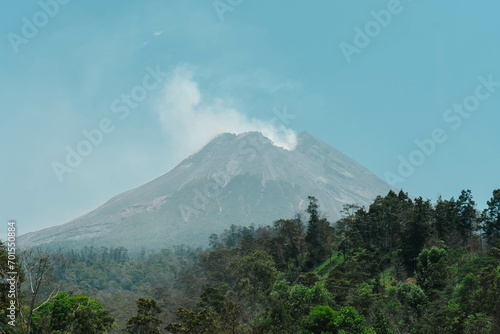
{"x":254,"y":136}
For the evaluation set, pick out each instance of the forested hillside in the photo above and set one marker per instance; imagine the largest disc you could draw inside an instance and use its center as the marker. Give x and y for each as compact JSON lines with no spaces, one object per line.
{"x":403,"y":265}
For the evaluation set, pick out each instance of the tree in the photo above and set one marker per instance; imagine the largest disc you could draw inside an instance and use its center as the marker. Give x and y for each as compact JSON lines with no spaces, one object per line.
{"x":312,"y":237}
{"x":321,"y":319}
{"x":212,"y":298}
{"x":488,"y":297}
{"x":289,"y":305}
{"x":384,"y":220}
{"x":466,"y":214}
{"x":411,"y":295}
{"x":194,"y":322}
{"x":225,"y":311}
{"x":352,"y":322}
{"x":432,"y":271}
{"x":75,"y":314}
{"x":215,"y":262}
{"x":308,"y":279}
{"x":491,"y":220}
{"x":465,"y":293}
{"x":351,"y":228}
{"x":446,"y":220}
{"x":291,"y":241}
{"x":380,"y":323}
{"x":319,"y":234}
{"x":214,"y":242}
{"x":146,"y":320}
{"x":413,"y":302}
{"x":218,"y":315}
{"x":41,"y":268}
{"x":255,"y":274}
{"x":324,"y":320}
{"x":416,"y":231}
{"x":478,"y":323}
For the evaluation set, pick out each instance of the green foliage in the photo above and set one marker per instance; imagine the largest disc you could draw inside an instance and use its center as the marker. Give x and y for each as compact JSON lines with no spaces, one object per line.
{"x":466,"y":292}
{"x":290,"y":304}
{"x":365,"y":298}
{"x":194,"y":322}
{"x":217,"y":315}
{"x":257,"y":267}
{"x":450,"y":320}
{"x":72,"y":314}
{"x":446,"y":220}
{"x":478,"y":323}
{"x":307,"y":279}
{"x":432,"y":272}
{"x":491,"y":220}
{"x":302,"y":299}
{"x":335,"y":259}
{"x":255,"y":274}
{"x":213,"y":299}
{"x":466,"y":215}
{"x":323,"y":320}
{"x":146,"y":321}
{"x":401,"y":266}
{"x":411,"y":295}
{"x":319,"y":235}
{"x":488,"y":297}
{"x":380,"y":324}
{"x":416,"y":230}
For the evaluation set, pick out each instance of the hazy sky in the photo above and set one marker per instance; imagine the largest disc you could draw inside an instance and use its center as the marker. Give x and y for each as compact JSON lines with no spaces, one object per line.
{"x":409,"y":89}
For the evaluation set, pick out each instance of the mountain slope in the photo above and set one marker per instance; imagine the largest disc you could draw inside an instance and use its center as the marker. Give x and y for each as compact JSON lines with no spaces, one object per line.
{"x":235,"y":179}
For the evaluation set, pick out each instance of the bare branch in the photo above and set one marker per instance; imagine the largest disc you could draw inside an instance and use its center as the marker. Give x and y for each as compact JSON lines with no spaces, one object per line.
{"x":48,"y":299}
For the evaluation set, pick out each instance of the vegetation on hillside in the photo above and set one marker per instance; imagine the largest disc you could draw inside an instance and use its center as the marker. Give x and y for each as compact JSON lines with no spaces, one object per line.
{"x":402,"y":265}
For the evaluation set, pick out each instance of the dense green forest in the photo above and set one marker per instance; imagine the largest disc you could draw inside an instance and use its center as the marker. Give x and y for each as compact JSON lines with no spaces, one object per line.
{"x":403,"y":265}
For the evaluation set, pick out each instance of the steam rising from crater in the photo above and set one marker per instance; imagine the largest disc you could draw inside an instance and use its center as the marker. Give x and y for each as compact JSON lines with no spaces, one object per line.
{"x":191,"y":122}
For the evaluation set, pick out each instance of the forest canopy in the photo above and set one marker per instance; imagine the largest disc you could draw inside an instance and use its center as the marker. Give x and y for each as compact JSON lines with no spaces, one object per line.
{"x":402,"y":265}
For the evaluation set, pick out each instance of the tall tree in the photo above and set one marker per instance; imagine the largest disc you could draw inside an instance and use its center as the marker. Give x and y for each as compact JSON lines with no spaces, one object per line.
{"x":432,"y":272}
{"x":446,"y":220}
{"x":146,"y":320}
{"x":41,"y":268}
{"x":292,"y":232}
{"x":350,"y":228}
{"x":416,"y":231}
{"x":255,"y":274}
{"x":319,"y":234}
{"x":466,"y":214}
{"x":385,"y":217}
{"x":491,"y":220}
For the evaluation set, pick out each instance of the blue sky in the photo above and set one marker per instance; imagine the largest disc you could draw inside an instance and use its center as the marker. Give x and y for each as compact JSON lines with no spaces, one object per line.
{"x":231,"y":67}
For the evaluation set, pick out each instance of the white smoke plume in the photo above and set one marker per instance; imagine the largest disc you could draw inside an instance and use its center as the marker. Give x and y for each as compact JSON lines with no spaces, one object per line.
{"x":191,"y":122}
